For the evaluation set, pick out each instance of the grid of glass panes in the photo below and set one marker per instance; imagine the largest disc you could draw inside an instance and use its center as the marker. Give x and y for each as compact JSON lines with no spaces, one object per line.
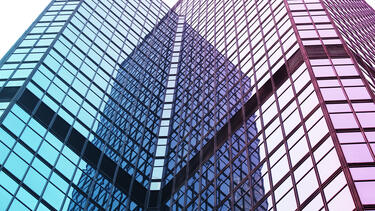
{"x":160,"y":153}
{"x":236,"y":29}
{"x":84,"y":79}
{"x":206,"y":26}
{"x":21,"y":60}
{"x":244,"y":47}
{"x":356,"y":22}
{"x":351,"y":110}
{"x":343,"y":90}
{"x":38,"y":171}
{"x":134,"y":108}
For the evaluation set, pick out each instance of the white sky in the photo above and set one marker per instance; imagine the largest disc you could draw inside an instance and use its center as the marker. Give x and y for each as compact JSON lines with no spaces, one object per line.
{"x":17,"y":15}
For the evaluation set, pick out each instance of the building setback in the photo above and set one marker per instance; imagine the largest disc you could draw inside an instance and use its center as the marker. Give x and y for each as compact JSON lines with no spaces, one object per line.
{"x":209,"y":105}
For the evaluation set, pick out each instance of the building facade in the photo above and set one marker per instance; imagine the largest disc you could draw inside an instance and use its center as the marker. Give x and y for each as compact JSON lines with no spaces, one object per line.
{"x":209,"y":105}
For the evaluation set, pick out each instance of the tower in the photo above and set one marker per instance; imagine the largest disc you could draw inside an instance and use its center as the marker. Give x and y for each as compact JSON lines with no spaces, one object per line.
{"x":209,"y":105}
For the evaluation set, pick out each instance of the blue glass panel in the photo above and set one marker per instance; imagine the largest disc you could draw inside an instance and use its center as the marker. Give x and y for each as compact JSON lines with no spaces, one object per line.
{"x":41,"y":80}
{"x":27,"y":43}
{"x":59,"y":182}
{"x":52,"y":63}
{"x":47,"y":100}
{"x":31,"y":138}
{"x":26,"y":198}
{"x":42,"y":168}
{"x":37,"y":30}
{"x":56,"y":92}
{"x":47,"y":18}
{"x":48,"y":153}
{"x":34,"y":57}
{"x":61,"y":48}
{"x":4,"y":152}
{"x":53,"y":196}
{"x":66,"y":75}
{"x":8,"y":183}
{"x":5,"y":199}
{"x":15,"y":165}
{"x":14,"y":124}
{"x":5,"y":74}
{"x":70,"y":155}
{"x":41,"y":207}
{"x":23,"y":152}
{"x":30,"y":180}
{"x":23,"y":73}
{"x":54,"y":141}
{"x":16,"y":205}
{"x":37,"y":127}
{"x":20,"y":113}
{"x":6,"y":138}
{"x":65,"y":166}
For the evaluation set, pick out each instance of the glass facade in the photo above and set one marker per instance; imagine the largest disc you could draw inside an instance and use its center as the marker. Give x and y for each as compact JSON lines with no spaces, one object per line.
{"x":209,"y":105}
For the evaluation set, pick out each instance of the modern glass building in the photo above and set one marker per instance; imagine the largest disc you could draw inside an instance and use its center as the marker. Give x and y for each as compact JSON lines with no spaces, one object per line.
{"x":209,"y":105}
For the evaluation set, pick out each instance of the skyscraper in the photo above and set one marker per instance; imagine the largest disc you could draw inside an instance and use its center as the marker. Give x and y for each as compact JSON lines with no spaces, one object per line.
{"x":210,"y":105}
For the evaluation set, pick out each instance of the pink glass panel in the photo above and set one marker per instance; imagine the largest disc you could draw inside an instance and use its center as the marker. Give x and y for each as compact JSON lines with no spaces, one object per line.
{"x":311,"y":42}
{"x":303,"y":19}
{"x":305,"y":27}
{"x":315,"y":62}
{"x":299,"y":14}
{"x":324,"y":26}
{"x":364,"y":106}
{"x":363,"y":173}
{"x":366,"y":191}
{"x":314,"y":6}
{"x":370,"y":136}
{"x":308,"y":34}
{"x":327,"y":33}
{"x":328,"y":83}
{"x":346,"y":70}
{"x":315,"y":13}
{"x":352,"y":82}
{"x":342,"y":61}
{"x":357,"y":93}
{"x":357,"y":153}
{"x":350,"y":137}
{"x":367,"y":119}
{"x":332,"y":108}
{"x":343,"y":121}
{"x":333,"y":94}
{"x":297,"y":7}
{"x":324,"y":71}
{"x":332,"y":41}
{"x":320,"y":19}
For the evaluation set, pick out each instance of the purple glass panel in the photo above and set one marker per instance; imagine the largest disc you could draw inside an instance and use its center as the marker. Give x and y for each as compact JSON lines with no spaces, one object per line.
{"x":364,"y":173}
{"x":343,"y":121}
{"x":347,"y":70}
{"x":327,"y":33}
{"x":357,"y":153}
{"x":367,"y":119}
{"x":350,"y":137}
{"x":328,"y":83}
{"x":338,"y":108}
{"x":333,"y":94}
{"x":366,"y":191}
{"x":370,"y":136}
{"x":364,"y":106}
{"x":352,"y":82}
{"x":324,"y":71}
{"x":357,"y":93}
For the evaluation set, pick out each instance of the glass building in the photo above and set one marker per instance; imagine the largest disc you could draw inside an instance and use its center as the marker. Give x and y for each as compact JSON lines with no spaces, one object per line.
{"x":209,"y":105}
